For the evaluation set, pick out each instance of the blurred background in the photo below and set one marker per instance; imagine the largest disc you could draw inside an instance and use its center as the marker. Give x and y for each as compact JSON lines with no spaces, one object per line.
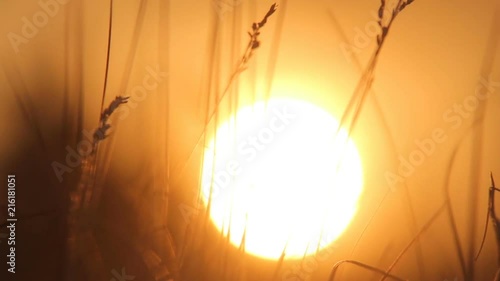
{"x":130,"y":212}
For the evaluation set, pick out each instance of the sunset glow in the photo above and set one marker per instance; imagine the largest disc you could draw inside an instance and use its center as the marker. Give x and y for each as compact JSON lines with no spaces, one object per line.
{"x":280,"y":172}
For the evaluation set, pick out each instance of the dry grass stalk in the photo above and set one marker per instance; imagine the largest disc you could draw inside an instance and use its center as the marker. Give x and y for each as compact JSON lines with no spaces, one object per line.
{"x":252,"y":45}
{"x":242,"y":65}
{"x":491,"y":214}
{"x":104,"y":125}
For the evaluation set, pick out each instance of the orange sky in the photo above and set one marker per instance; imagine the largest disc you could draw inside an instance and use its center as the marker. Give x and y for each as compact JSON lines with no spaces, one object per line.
{"x":432,"y":62}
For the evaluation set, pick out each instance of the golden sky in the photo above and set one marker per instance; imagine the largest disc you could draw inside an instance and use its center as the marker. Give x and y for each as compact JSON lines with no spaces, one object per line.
{"x":437,"y":54}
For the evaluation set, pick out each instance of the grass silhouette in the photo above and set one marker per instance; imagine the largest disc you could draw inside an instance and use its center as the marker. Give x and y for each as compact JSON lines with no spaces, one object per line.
{"x":109,"y":220}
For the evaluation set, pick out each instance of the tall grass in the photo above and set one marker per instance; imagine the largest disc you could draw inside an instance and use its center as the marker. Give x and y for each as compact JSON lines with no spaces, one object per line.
{"x":114,"y":220}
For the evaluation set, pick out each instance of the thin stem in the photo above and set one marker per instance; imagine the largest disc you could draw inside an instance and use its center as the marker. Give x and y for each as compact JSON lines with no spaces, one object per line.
{"x":415,"y":239}
{"x":110,"y":28}
{"x":362,"y":265}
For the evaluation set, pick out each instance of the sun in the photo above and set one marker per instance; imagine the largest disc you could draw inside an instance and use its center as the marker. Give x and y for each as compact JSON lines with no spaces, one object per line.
{"x":280,"y":177}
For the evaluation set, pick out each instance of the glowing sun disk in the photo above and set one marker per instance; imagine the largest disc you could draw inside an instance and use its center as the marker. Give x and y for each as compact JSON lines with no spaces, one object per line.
{"x":279,"y":173}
